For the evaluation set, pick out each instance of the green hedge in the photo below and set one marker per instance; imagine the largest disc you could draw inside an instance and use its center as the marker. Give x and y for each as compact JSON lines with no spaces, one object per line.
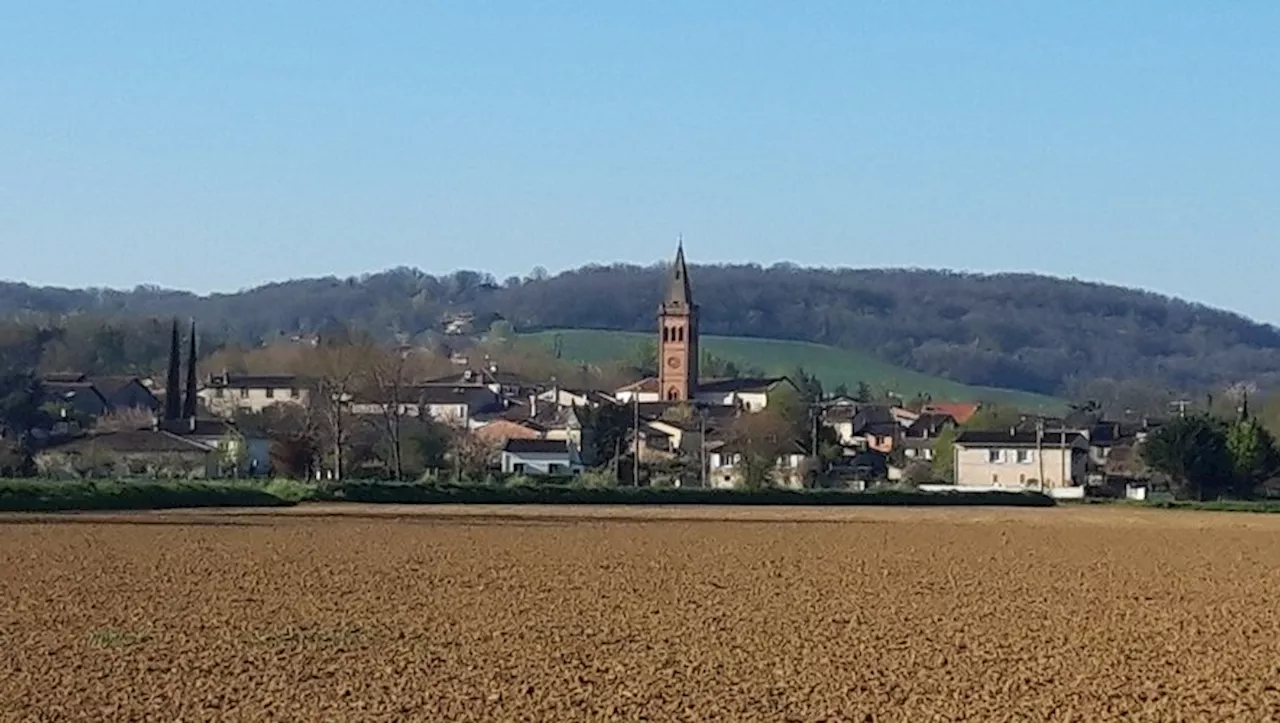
{"x":383,"y":492}
{"x":1267,"y":506}
{"x":47,"y":496}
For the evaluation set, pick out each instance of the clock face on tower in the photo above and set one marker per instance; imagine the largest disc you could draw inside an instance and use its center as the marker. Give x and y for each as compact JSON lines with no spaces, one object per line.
{"x":673,"y":362}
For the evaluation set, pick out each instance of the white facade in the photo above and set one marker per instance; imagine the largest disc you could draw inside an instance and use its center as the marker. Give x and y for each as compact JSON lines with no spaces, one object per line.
{"x":723,"y":470}
{"x":1020,"y":466}
{"x":226,"y":401}
{"x":540,"y":463}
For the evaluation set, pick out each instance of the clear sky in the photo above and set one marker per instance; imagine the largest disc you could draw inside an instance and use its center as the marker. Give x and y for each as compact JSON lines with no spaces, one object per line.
{"x":218,"y":145}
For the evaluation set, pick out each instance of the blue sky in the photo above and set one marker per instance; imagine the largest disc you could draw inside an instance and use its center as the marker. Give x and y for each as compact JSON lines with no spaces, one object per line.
{"x":215,"y":146}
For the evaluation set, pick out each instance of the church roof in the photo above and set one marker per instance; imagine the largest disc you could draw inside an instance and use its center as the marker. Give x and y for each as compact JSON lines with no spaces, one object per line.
{"x":678,"y":291}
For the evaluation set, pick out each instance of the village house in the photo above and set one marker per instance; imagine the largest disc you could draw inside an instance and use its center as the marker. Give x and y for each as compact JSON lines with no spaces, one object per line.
{"x":919,"y":438}
{"x":133,"y":453}
{"x":725,"y":468}
{"x":502,"y":383}
{"x":539,"y":457}
{"x":226,"y":394}
{"x":238,"y":454}
{"x":1020,"y":459}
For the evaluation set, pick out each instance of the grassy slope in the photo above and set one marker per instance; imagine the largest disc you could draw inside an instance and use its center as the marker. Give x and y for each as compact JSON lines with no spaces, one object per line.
{"x":832,"y":365}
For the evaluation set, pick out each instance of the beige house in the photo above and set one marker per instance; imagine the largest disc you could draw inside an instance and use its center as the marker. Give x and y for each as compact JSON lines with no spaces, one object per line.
{"x":226,"y":394}
{"x":1021,"y":459}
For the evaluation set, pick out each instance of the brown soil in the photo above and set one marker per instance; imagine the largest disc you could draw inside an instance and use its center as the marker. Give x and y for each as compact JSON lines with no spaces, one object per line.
{"x":450,"y":614}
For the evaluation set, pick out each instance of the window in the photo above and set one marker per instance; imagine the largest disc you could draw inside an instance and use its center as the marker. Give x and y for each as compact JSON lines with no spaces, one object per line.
{"x":217,"y":393}
{"x":1024,"y":456}
{"x":995,"y":456}
{"x":293,"y":393}
{"x":666,"y":334}
{"x":680,"y":334}
{"x":995,"y":479}
{"x":673,"y":394}
{"x":244,"y":393}
{"x":518,"y":468}
{"x":555,"y":468}
{"x":271,"y":393}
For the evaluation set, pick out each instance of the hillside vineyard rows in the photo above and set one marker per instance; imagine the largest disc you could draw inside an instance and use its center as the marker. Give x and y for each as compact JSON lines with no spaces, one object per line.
{"x":578,"y":614}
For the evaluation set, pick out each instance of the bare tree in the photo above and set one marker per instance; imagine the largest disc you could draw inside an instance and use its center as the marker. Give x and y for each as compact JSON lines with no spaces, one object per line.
{"x":387,"y":382}
{"x":472,"y":455}
{"x":339,"y":369}
{"x":760,"y":439}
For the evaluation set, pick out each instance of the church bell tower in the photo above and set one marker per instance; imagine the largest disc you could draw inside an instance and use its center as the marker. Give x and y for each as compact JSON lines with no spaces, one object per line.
{"x":678,"y":336}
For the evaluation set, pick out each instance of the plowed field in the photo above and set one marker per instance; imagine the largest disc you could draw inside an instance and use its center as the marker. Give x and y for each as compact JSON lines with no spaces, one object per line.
{"x":358,"y":613}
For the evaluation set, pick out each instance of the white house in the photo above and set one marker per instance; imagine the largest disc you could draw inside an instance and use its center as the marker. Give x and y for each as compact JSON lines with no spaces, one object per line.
{"x":724,"y":468}
{"x":536,"y":457}
{"x":751,"y":395}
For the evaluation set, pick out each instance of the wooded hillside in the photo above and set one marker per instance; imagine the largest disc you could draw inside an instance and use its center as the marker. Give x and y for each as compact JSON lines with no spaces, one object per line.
{"x":1019,"y":331}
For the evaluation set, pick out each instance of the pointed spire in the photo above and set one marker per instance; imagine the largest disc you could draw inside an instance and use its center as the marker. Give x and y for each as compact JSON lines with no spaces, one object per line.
{"x":172,"y":390}
{"x":678,"y":290}
{"x":1244,"y":407}
{"x":190,"y":405}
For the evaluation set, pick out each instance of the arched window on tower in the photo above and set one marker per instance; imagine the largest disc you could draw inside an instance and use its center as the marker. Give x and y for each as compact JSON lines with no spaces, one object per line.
{"x":680,"y":334}
{"x":666,"y":333}
{"x":673,"y":395}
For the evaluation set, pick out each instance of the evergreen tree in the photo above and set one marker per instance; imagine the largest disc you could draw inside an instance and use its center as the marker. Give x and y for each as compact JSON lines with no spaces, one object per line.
{"x":190,"y":405}
{"x":1193,"y":452}
{"x":864,"y":393}
{"x":172,"y":388}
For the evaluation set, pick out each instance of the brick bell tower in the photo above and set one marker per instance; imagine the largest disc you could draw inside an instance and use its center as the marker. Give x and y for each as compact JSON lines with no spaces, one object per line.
{"x":678,"y":336}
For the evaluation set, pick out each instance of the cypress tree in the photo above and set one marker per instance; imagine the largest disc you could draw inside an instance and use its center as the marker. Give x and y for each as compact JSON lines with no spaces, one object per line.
{"x":172,"y":388}
{"x":189,"y":408}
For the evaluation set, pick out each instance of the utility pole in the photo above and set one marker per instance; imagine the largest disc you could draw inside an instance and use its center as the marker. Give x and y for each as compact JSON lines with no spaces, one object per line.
{"x":702,"y":441}
{"x":1063,"y":450}
{"x":1040,"y":449}
{"x":635,"y":436}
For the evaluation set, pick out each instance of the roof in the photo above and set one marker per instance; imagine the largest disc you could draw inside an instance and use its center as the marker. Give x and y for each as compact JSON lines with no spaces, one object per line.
{"x":481,"y":376}
{"x":473,"y":396}
{"x":142,"y":441}
{"x":259,"y":381}
{"x":959,"y":411}
{"x":199,"y":427}
{"x":536,"y":446}
{"x":749,"y":384}
{"x":930,"y":423}
{"x":648,"y":384}
{"x":679,"y":293}
{"x":84,"y":396}
{"x":1019,"y":438}
{"x":64,"y":378}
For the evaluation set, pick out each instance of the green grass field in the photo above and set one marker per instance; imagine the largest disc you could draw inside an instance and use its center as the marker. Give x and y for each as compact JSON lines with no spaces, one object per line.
{"x":832,"y":365}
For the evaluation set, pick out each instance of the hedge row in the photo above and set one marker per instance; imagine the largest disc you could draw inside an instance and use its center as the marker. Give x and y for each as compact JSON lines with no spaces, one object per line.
{"x":51,"y":496}
{"x":45,"y":495}
{"x":382,"y":492}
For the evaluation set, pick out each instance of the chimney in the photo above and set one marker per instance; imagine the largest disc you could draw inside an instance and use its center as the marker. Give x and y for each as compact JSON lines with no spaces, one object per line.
{"x":1013,"y":431}
{"x":533,"y":405}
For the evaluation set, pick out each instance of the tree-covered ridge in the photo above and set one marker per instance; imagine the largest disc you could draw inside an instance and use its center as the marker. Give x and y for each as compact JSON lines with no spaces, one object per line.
{"x":1020,"y":331}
